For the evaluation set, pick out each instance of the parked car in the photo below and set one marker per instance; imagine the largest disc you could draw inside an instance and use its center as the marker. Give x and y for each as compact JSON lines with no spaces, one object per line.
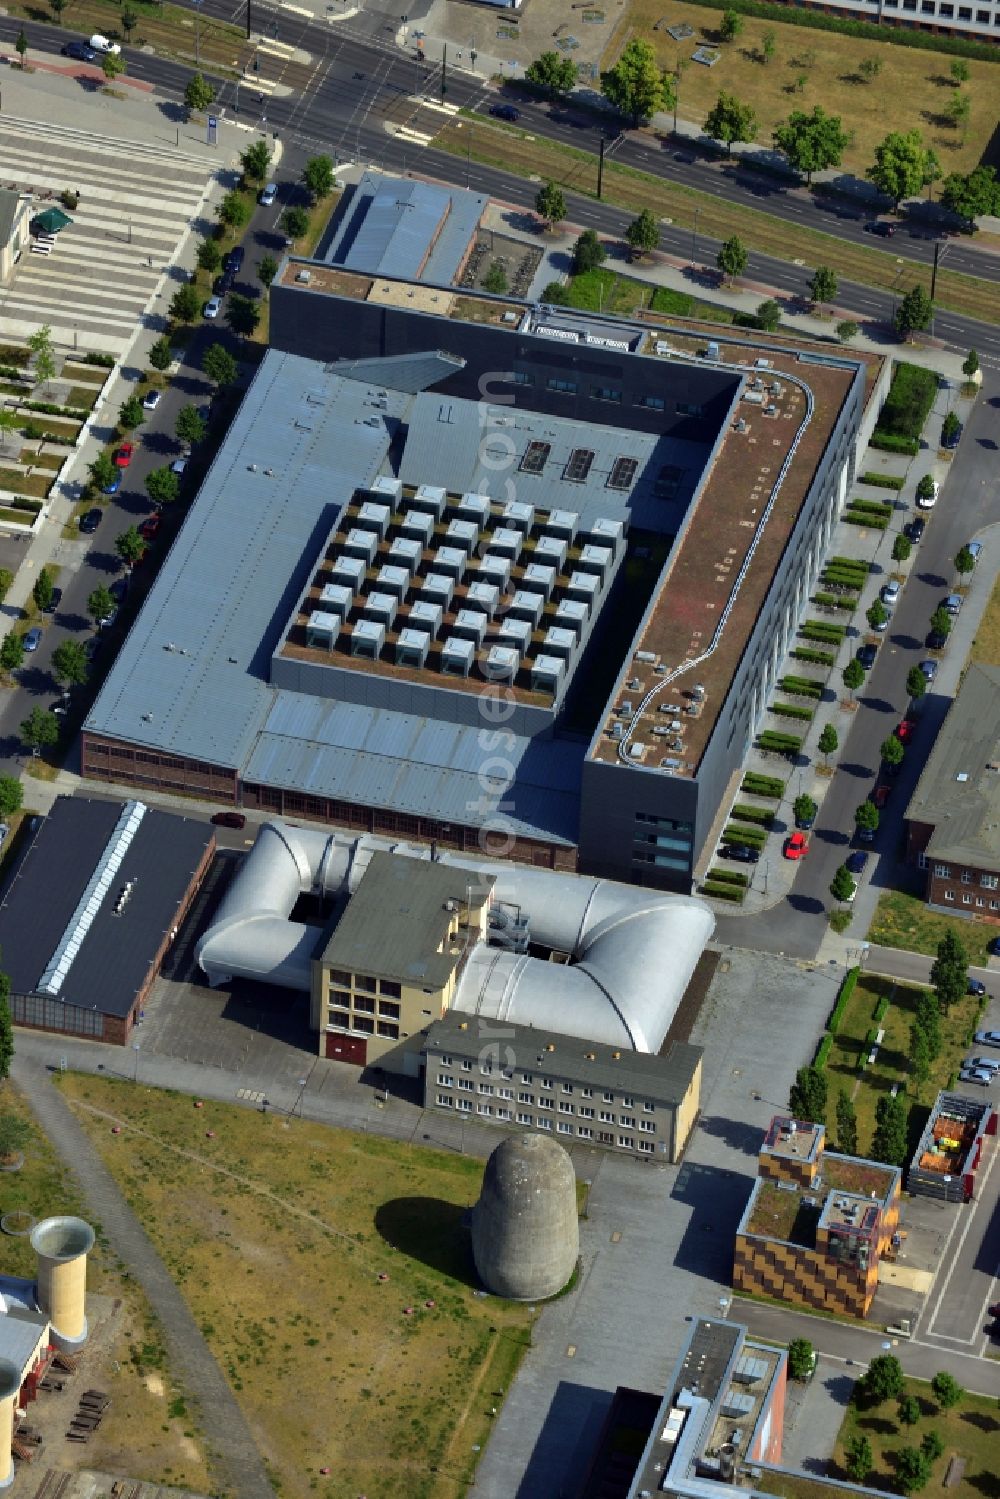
{"x":150,"y":526}
{"x":882,"y":227}
{"x":929,"y":669}
{"x":993,"y":946}
{"x":743,"y":853}
{"x":80,"y":51}
{"x":222,"y":284}
{"x":881,"y":795}
{"x":797,"y":846}
{"x":983,"y":1064}
{"x":889,"y":593}
{"x":179,"y":465}
{"x":61,"y":706}
{"x":268,"y":194}
{"x":123,"y":454}
{"x":904,"y":730}
{"x":936,"y":641}
{"x":234,"y":259}
{"x":54,"y":601}
{"x":987,"y":1038}
{"x":114,"y":486}
{"x":927,"y":502}
{"x":505,"y":112}
{"x":977,"y":1076}
{"x":975,"y":986}
{"x":229,"y":820}
{"x":953,"y":604}
{"x":867,"y":655}
{"x":975,"y":551}
{"x":151,"y":400}
{"x":108,"y":620}
{"x":212,"y":308}
{"x":914,"y":529}
{"x":90,"y":520}
{"x":33,"y":639}
{"x":882,"y":625}
{"x":856,"y":862}
{"x":953,"y":441}
{"x":4,"y":831}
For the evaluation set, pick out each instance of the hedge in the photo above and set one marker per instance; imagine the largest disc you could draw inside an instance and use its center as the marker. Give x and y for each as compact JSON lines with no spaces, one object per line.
{"x":801,"y":686}
{"x":817,"y":20}
{"x":883,"y":481}
{"x":21,"y":502}
{"x":106,"y":361}
{"x":739,"y":833}
{"x":862,"y":518}
{"x":907,"y":406}
{"x":793,"y":710}
{"x":51,"y":408}
{"x":763,"y":815}
{"x":824,"y":630}
{"x":723,"y":892}
{"x":823,"y":1052}
{"x":758,"y":785}
{"x":847,"y":601}
{"x":815,"y":658}
{"x":886,"y":443}
{"x":846,"y":990}
{"x":727,"y":877}
{"x":783,"y":743}
{"x":14,"y":354}
{"x":881,"y":1008}
{"x":876,"y":507}
{"x":857,"y":563}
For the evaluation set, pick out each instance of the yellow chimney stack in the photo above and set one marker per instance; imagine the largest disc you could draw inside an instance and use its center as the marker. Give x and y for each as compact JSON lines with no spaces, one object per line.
{"x":62,"y":1246}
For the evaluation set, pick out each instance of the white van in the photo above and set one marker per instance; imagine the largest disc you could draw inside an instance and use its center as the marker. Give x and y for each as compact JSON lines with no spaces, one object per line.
{"x":101,"y":44}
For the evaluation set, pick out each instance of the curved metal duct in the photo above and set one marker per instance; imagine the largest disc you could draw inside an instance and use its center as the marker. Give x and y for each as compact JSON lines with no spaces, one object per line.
{"x":632,"y":951}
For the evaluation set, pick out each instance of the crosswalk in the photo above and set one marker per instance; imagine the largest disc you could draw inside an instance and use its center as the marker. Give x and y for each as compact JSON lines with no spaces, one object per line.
{"x":137,"y":200}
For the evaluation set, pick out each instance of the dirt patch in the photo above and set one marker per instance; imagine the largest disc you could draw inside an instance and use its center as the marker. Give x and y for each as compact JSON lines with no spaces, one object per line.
{"x":581,"y":33}
{"x":516,"y":260}
{"x":154,"y":1384}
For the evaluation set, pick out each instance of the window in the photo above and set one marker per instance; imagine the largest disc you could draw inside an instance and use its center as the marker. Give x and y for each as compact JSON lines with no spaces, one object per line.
{"x":627,"y":1102}
{"x":535,"y":457}
{"x":364,"y":983}
{"x":389,"y":1029}
{"x":562,"y":1128}
{"x":927,"y":7}
{"x":605,"y":1137}
{"x":445,"y":1080}
{"x":517,"y":377}
{"x":648,"y":1108}
{"x":444,"y":1101}
{"x":689,"y":408}
{"x":965,"y":12}
{"x":486,"y":1069}
{"x":966,"y":876}
{"x":364,"y":1025}
{"x":524,"y":1119}
{"x":989,"y":881}
{"x":466,"y":1066}
{"x":942,"y":871}
{"x":338,"y":976}
{"x":341,"y":1018}
{"x":389,"y":987}
{"x":966,"y":900}
{"x":567,"y":1087}
{"x":389,"y":1008}
{"x":626,"y":1121}
{"x":565,"y":1108}
{"x":463,"y":1105}
{"x":526,"y":1077}
{"x":586,"y":1092}
{"x":544,"y":1123}
{"x":949,"y":895}
{"x":651,"y":403}
{"x":608,"y":1097}
{"x":980,"y":901}
{"x":947,"y":12}
{"x":995,"y":905}
{"x":647,"y":1126}
{"x":545,"y":1082}
{"x":625,"y":1142}
{"x":486,"y":1089}
{"x":606,"y":1117}
{"x":584,"y":1133}
{"x":561,"y":387}
{"x":503,"y":1113}
{"x":505,"y":1092}
{"x":586,"y":1113}
{"x":646,"y":1146}
{"x":921,"y":861}
{"x":545,"y":1103}
{"x":526,"y":1098}
{"x":484,"y":1108}
{"x":983,"y":17}
{"x":341,"y":997}
{"x":606,"y":393}
{"x":364,"y":1005}
{"x":465,"y":1084}
{"x":578,"y":467}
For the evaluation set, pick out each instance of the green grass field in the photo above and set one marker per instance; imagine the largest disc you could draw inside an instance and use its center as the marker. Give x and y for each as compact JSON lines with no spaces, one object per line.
{"x":904,"y":921}
{"x":970,"y":1430}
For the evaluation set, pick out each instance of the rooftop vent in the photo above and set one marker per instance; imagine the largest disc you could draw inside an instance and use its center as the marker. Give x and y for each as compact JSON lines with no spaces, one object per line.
{"x":303,"y":277}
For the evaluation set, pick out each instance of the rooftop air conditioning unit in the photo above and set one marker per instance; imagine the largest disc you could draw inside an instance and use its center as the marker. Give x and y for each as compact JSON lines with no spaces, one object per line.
{"x":303,"y":277}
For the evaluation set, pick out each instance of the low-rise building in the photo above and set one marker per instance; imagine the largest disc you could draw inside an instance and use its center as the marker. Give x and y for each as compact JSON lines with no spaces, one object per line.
{"x":15,"y":219}
{"x":817,"y":1223}
{"x":576,"y":1090}
{"x":979,"y":22}
{"x":950,"y":1151}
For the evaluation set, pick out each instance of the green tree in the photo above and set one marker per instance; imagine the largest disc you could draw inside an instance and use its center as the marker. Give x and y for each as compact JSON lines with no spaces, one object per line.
{"x":57,"y":7}
{"x":208,"y":255}
{"x":12,"y":651}
{"x":161,"y":355}
{"x":256,"y":161}
{"x":495,"y":279}
{"x":14,"y":1132}
{"x":893,"y":750}
{"x":916,"y":684}
{"x":914,"y":312}
{"x":11,"y":795}
{"x":112,"y":66}
{"x":234,"y":211}
{"x":130,"y":414}
{"x":39,"y":729}
{"x":858,"y":1458}
{"x":901,"y":547}
{"x":190,"y":425}
{"x":295,"y":222}
{"x":958,"y":110}
{"x":163,"y":486}
{"x":129,"y":21}
{"x":550,"y":203}
{"x":768,"y":47}
{"x":847,"y":330}
{"x":6,"y":579}
{"x":732,"y":257}
{"x":730,"y":121}
{"x":807,"y":1097}
{"x":6,"y":1028}
{"x":130,"y":546}
{"x":267,"y":269}
{"x":823,"y":286}
{"x":40,"y":344}
{"x":801,"y":1358}
{"x":804,"y":808}
{"x":812,"y":142}
{"x":554,"y":294}
{"x":829,"y":742}
{"x":931,"y":1446}
{"x":643,"y":234}
{"x":69,"y":662}
{"x":920,"y":1055}
{"x":941,"y":622}
{"x":900,"y":166}
{"x":847,"y":1124}
{"x":319,"y":176}
{"x":971,"y":365}
{"x":842,"y":886}
{"x":243,"y":315}
{"x":947,"y":1390}
{"x":927,"y":1015}
{"x":964,"y":562}
{"x":219,"y":365}
{"x":185,"y":304}
{"x":768,"y":315}
{"x":869,"y":68}
{"x":636,"y":86}
{"x":912,"y":1470}
{"x":909,"y":1410}
{"x":198,"y":94}
{"x":731,"y":26}
{"x":876,"y":614}
{"x":21,"y":46}
{"x":866,"y":817}
{"x":853,"y":675}
{"x":950,"y":971}
{"x":882,"y":1380}
{"x":889,"y":1138}
{"x":42,"y":591}
{"x":588,"y":253}
{"x":552,"y":72}
{"x":959,"y":70}
{"x":950,"y":428}
{"x":102,"y":471}
{"x":100,"y":604}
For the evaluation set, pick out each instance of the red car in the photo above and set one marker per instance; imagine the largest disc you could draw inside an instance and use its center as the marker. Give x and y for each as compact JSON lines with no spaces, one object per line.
{"x":229,"y":820}
{"x":123,"y":455}
{"x":797,"y":846}
{"x":149,"y":527}
{"x":904,"y":730}
{"x":881,"y":795}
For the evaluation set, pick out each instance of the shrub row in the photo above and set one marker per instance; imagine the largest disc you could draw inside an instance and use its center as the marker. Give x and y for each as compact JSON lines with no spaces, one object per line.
{"x":816,"y":20}
{"x":863,"y":518}
{"x":801,"y":686}
{"x":758,"y":785}
{"x":737,"y":832}
{"x":848,"y":601}
{"x":911,"y":396}
{"x":886,"y":442}
{"x":783,"y":743}
{"x":793,"y":710}
{"x":881,"y":1008}
{"x":876,"y":507}
{"x":21,"y":502}
{"x":11,"y":372}
{"x":823,"y":1052}
{"x":763,"y":815}
{"x":851,"y":564}
{"x":846,"y":990}
{"x":727,"y":877}
{"x":14,"y":354}
{"x":883,"y":481}
{"x":845,"y":570}
{"x":106,"y":361}
{"x":823,"y":630}
{"x":815,"y":658}
{"x":723,"y":892}
{"x":50,"y":408}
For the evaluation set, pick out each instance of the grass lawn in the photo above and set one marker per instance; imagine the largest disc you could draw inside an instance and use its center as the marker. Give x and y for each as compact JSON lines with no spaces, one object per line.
{"x":529,"y":158}
{"x":970,"y":1430}
{"x":604,"y":290}
{"x":136,"y":1436}
{"x":911,"y":94}
{"x":892,"y":1064}
{"x":904,"y":921}
{"x":986,"y":646}
{"x":276,"y":1232}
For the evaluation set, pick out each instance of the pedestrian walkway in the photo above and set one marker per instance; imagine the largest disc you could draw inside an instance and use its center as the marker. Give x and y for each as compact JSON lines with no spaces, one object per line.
{"x":226,"y":1430}
{"x":135,"y":203}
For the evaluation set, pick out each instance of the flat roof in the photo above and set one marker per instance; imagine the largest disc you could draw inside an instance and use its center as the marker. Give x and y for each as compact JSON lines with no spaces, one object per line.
{"x":397,"y":226}
{"x":782,"y":1210}
{"x":665,"y":1077}
{"x":793,"y":1139}
{"x":396,"y":924}
{"x":959,"y":787}
{"x":116,"y":951}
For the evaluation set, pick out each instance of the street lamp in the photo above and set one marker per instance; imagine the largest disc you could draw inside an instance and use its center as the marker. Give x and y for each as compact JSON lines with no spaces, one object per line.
{"x":197,"y":32}
{"x":298,"y":1101}
{"x":135,"y":1052}
{"x":694,"y":238}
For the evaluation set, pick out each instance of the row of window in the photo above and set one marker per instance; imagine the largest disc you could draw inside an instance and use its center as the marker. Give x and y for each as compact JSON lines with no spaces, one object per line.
{"x":627,"y":1100}
{"x":968,"y":876}
{"x":627,"y":1121}
{"x":581,"y":1131}
{"x":365,"y":1004}
{"x":944,"y":10}
{"x":605,"y":393}
{"x":364,"y":1024}
{"x":365,"y":983}
{"x":967,"y":900}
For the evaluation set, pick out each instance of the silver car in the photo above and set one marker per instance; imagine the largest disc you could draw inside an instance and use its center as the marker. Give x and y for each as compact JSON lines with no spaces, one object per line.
{"x":982,"y":1064}
{"x":890,"y":594}
{"x":976,"y":1075}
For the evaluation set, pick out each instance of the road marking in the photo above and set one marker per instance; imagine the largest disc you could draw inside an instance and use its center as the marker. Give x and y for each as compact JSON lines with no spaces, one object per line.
{"x":961,"y":1242}
{"x":279,"y":49}
{"x":296,"y":10}
{"x":445,"y":109}
{"x":413,"y":137}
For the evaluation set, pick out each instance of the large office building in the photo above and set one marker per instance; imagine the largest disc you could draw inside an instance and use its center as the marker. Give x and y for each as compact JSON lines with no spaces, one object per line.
{"x":978,"y":22}
{"x":492,"y":575}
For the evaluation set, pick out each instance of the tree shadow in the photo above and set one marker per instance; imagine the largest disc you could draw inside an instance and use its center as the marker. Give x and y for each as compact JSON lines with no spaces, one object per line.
{"x":878,"y":1424}
{"x":432,"y":1231}
{"x":987,"y":1483}
{"x":981,"y":1420}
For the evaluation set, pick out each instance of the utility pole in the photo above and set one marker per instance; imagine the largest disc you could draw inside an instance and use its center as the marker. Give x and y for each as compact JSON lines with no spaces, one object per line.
{"x":600,"y":168}
{"x":444,"y":72}
{"x":249,"y":4}
{"x":937,"y":252}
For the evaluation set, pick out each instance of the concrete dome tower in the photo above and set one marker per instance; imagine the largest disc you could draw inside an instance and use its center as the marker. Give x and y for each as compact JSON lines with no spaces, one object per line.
{"x":525,"y":1229}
